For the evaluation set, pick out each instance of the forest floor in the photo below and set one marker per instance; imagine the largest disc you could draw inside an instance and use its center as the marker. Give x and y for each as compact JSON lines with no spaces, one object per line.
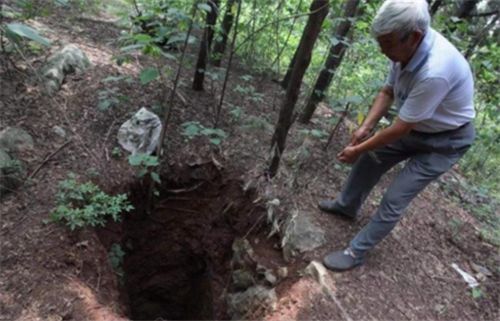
{"x":51,"y":273}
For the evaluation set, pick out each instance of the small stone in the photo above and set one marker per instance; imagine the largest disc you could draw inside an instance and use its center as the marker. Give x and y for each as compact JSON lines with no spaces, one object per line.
{"x":243,"y":254}
{"x":242,"y":279}
{"x":481,"y":269}
{"x":14,"y":139}
{"x":317,"y":271}
{"x":266,"y":274}
{"x":270,"y":277}
{"x":283,"y":272}
{"x":243,"y":305}
{"x":59,"y":131}
{"x":301,"y":235}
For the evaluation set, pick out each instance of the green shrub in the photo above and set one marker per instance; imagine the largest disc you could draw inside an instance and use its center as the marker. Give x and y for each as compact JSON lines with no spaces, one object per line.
{"x":80,"y":205}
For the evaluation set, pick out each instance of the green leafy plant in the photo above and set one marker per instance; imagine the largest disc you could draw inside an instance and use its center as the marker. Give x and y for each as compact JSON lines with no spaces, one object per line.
{"x":21,"y":38}
{"x":236,"y":114}
{"x":145,"y":164}
{"x":116,"y":152}
{"x":250,"y":93}
{"x":314,"y":133}
{"x":476,"y":293}
{"x":193,"y":129}
{"x":109,"y":98}
{"x":116,"y":255}
{"x":80,"y":205}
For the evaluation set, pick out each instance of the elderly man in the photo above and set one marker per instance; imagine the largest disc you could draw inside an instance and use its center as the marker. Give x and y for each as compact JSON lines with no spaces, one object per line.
{"x":431,"y":84}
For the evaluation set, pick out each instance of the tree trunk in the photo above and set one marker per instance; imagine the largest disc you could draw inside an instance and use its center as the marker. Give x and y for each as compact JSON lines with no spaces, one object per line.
{"x":319,"y":9}
{"x":480,"y":36}
{"x":465,"y":8}
{"x":206,"y":42}
{"x":333,"y":60}
{"x":228,"y":69}
{"x":220,"y":45}
{"x":286,"y":79}
{"x":288,"y":36}
{"x":435,"y":6}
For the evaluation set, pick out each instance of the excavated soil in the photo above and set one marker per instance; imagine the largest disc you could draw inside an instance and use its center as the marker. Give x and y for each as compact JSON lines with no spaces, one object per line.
{"x":177,"y":258}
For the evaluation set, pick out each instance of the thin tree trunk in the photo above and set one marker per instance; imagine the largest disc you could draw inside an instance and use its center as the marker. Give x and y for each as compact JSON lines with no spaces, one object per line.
{"x":170,"y":106}
{"x":309,"y":36}
{"x":228,"y":69}
{"x":286,"y":79}
{"x":254,"y":18}
{"x":333,"y":60}
{"x":220,"y":45}
{"x":435,"y":6}
{"x":480,"y":37}
{"x":287,"y":37}
{"x":206,"y":42}
{"x":465,"y":8}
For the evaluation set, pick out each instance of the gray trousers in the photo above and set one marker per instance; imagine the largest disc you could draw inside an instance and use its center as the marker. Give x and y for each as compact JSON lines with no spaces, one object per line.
{"x":428,"y":155}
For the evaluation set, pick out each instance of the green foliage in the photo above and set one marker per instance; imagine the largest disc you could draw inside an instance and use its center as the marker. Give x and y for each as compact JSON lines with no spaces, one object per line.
{"x":476,"y":293}
{"x":116,"y":255}
{"x":145,"y":164}
{"x":257,"y":123}
{"x":109,"y":98}
{"x":315,"y":133}
{"x":236,"y":114}
{"x":249,"y":93}
{"x":80,"y":205}
{"x":193,"y":129}
{"x":159,"y":27}
{"x":148,"y":74}
{"x":16,"y":31}
{"x":116,"y":152}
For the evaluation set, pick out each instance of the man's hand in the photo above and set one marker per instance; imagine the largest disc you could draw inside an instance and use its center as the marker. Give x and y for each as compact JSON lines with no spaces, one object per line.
{"x":360,"y":135}
{"x":349,"y":155}
{"x":386,"y":136}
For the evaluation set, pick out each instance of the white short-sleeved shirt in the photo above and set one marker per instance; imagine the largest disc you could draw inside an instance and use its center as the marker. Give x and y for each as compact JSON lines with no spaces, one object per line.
{"x":435,"y":90}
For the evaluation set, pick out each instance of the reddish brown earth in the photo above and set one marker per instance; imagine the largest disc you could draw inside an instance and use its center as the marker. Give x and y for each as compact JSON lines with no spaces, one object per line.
{"x":177,"y":260}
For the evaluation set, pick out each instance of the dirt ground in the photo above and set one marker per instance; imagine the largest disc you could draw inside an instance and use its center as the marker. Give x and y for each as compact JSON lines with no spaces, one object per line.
{"x":51,"y":273}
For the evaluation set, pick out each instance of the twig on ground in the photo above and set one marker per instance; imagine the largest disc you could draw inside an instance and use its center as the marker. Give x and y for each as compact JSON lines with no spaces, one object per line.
{"x":255,"y":224}
{"x":47,"y":159}
{"x":178,"y":209}
{"x":184,"y":190}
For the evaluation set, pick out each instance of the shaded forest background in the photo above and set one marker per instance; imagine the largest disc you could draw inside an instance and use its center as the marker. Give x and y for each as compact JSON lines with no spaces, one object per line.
{"x":319,"y":51}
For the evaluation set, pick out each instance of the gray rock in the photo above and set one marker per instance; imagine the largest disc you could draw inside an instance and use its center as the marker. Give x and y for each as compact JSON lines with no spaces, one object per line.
{"x":242,"y":279}
{"x":481,"y":269}
{"x":266,"y":274}
{"x":59,"y":131}
{"x":11,"y":173}
{"x":300,"y":235}
{"x":317,"y":271}
{"x":15,"y":140}
{"x":243,"y":254}
{"x":68,"y":60}
{"x":141,"y":133}
{"x":248,"y":304}
{"x":282,"y":272}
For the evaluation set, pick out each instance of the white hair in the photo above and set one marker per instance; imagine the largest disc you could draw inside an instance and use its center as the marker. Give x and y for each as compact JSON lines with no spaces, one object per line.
{"x":402,"y":16}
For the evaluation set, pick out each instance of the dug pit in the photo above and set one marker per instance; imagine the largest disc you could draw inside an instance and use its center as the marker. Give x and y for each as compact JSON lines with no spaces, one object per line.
{"x":177,"y":259}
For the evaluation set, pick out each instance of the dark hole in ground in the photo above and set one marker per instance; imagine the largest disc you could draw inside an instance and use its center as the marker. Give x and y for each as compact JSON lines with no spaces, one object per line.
{"x":177,"y":261}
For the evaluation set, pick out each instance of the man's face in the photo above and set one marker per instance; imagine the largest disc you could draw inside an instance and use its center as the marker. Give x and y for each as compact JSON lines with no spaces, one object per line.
{"x":399,"y":49}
